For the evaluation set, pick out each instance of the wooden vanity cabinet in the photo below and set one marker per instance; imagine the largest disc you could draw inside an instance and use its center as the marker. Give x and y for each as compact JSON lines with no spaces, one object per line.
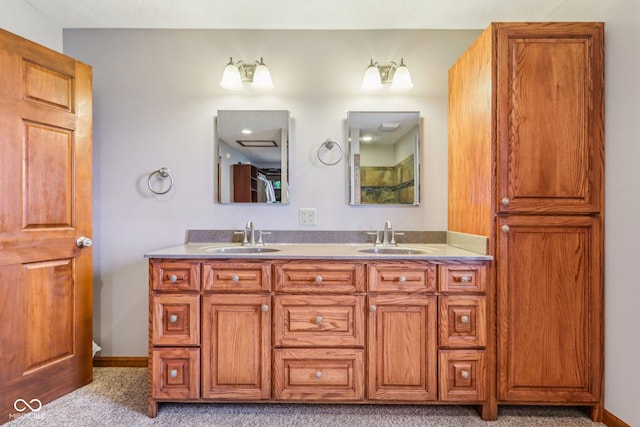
{"x":317,"y":331}
{"x":526,"y":168}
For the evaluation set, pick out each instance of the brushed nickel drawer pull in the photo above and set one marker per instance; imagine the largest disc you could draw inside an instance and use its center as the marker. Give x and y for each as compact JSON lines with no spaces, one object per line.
{"x":505,"y":201}
{"x":235,"y":278}
{"x":264,"y":308}
{"x":464,"y":319}
{"x":373,"y":308}
{"x":505,"y":228}
{"x":318,"y":279}
{"x":319,"y":320}
{"x":464,"y":374}
{"x":173,"y":318}
{"x":465,"y":279}
{"x":402,"y":279}
{"x":173,"y":373}
{"x":173,"y":278}
{"x":318,"y":374}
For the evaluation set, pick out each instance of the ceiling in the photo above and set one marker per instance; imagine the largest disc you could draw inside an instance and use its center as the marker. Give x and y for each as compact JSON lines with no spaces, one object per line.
{"x":291,"y":14}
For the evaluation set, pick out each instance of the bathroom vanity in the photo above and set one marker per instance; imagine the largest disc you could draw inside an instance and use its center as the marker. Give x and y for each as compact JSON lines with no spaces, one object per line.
{"x":317,"y":323}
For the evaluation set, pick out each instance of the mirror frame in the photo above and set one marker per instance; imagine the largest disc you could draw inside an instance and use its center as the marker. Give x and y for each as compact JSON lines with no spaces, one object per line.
{"x":353,"y":136}
{"x":264,"y":134}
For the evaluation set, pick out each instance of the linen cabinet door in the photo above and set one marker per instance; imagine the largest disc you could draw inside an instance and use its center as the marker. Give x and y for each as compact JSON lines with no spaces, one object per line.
{"x":550,"y":83}
{"x":550,"y":305}
{"x":236,"y":347}
{"x":402,"y":347}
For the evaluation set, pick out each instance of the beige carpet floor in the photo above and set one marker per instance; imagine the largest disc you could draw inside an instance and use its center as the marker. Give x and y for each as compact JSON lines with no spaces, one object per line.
{"x":118,"y":397}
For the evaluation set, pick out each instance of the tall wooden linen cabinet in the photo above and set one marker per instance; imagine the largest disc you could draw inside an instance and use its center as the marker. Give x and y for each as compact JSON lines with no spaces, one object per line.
{"x":526,"y":168}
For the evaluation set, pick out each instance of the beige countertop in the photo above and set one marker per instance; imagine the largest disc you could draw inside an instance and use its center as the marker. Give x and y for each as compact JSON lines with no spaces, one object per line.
{"x":317,"y":251}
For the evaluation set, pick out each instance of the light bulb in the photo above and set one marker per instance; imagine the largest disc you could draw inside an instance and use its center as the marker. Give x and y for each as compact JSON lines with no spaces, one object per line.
{"x":261,"y":77}
{"x":231,"y":79}
{"x":402,"y":78}
{"x":371,"y":79}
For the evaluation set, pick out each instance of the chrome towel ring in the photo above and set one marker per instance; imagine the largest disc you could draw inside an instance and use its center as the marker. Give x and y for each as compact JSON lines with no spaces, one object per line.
{"x":164,"y":173}
{"x":328,"y":146}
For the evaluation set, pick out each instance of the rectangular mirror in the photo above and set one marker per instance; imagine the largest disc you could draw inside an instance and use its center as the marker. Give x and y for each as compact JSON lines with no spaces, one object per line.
{"x":384,"y":158}
{"x":252,"y":153}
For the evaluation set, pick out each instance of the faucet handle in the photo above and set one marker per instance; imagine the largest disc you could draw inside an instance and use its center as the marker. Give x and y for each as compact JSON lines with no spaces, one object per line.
{"x":393,"y":236}
{"x":245,"y":240}
{"x":377,"y":234}
{"x":260,"y":241}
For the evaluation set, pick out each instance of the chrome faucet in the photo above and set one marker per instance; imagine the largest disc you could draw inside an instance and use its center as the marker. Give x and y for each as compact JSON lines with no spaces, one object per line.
{"x":388,"y":237}
{"x":251,"y":233}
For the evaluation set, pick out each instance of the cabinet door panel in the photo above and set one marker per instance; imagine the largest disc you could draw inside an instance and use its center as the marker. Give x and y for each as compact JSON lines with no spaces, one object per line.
{"x":550,"y":120}
{"x":550,"y":306}
{"x":402,"y":347}
{"x":236,"y":343}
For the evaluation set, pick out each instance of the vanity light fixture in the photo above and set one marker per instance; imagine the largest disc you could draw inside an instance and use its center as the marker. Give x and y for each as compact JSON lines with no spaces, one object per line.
{"x":235,"y":73}
{"x":397,"y":74}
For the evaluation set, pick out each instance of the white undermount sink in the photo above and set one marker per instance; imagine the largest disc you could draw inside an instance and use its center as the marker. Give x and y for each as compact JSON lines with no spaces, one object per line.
{"x":241,"y":249}
{"x":394,"y":251}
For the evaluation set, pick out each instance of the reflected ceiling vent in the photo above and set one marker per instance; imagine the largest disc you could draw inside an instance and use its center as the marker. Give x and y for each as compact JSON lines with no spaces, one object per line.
{"x":257,"y":143}
{"x":389,"y":127}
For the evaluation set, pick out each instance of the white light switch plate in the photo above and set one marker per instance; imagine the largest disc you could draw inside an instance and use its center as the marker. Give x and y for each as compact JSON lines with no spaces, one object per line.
{"x":308,"y":216}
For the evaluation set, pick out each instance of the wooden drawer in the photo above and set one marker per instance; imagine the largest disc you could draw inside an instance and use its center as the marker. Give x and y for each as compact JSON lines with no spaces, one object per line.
{"x":297,"y":276}
{"x":317,"y":321}
{"x":318,"y":374}
{"x":175,"y":373}
{"x":236,"y":277}
{"x":402,"y":277}
{"x":174,"y":276}
{"x":462,"y":375}
{"x":462,"y":277}
{"x":176,"y":319}
{"x":462,"y":321}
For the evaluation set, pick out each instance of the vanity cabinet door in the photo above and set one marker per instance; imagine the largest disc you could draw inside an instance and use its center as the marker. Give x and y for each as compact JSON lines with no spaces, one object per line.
{"x":462,"y":375}
{"x":236,"y":347}
{"x":462,"y":321}
{"x":402,"y":345}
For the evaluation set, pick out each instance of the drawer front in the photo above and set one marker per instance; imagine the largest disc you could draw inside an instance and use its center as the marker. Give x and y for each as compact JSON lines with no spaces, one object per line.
{"x":319,"y":277}
{"x":318,"y":374}
{"x":462,"y":277}
{"x":236,"y":277}
{"x":462,"y":375}
{"x":317,"y":321}
{"x":462,"y":321}
{"x":178,"y":276}
{"x":402,"y":277}
{"x":176,"y":319}
{"x":175,"y":373}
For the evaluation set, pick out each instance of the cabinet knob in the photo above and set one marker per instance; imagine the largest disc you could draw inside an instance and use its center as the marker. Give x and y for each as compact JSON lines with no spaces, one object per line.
{"x":235,"y":278}
{"x":173,"y":278}
{"x":464,"y":319}
{"x":173,"y":373}
{"x":464,"y":374}
{"x":318,"y":374}
{"x":318,"y":279}
{"x":505,"y":228}
{"x":402,"y":279}
{"x":173,"y":318}
{"x":319,"y":320}
{"x":505,"y":201}
{"x":465,"y":279}
{"x":373,"y":308}
{"x":264,"y":308}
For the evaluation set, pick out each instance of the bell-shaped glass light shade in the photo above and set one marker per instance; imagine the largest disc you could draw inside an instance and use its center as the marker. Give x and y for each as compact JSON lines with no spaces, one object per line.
{"x":402,"y":78}
{"x":261,"y":77}
{"x":231,"y":79}
{"x":371,"y":79}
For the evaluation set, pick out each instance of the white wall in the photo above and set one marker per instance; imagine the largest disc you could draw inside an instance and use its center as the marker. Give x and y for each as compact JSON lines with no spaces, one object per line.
{"x":156,"y":94}
{"x":18,"y":17}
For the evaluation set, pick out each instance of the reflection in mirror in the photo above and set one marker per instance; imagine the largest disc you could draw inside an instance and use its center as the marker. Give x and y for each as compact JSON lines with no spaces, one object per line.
{"x":384,"y":158}
{"x":252,"y":149}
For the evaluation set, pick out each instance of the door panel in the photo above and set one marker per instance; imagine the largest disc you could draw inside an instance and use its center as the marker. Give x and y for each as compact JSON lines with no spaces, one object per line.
{"x":550,"y":303}
{"x":550,"y":127}
{"x":45,"y":205}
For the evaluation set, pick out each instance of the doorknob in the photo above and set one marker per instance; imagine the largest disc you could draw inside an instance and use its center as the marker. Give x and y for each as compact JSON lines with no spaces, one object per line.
{"x":84,"y":242}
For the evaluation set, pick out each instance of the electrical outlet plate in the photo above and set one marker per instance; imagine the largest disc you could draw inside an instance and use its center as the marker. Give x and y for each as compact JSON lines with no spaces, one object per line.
{"x":308,"y":216}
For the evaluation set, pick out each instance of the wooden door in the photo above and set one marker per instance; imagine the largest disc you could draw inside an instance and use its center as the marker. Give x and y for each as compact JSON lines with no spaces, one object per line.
{"x":402,"y":347}
{"x":550,"y":303}
{"x":236,"y":347}
{"x":550,"y":131}
{"x":45,"y":207}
